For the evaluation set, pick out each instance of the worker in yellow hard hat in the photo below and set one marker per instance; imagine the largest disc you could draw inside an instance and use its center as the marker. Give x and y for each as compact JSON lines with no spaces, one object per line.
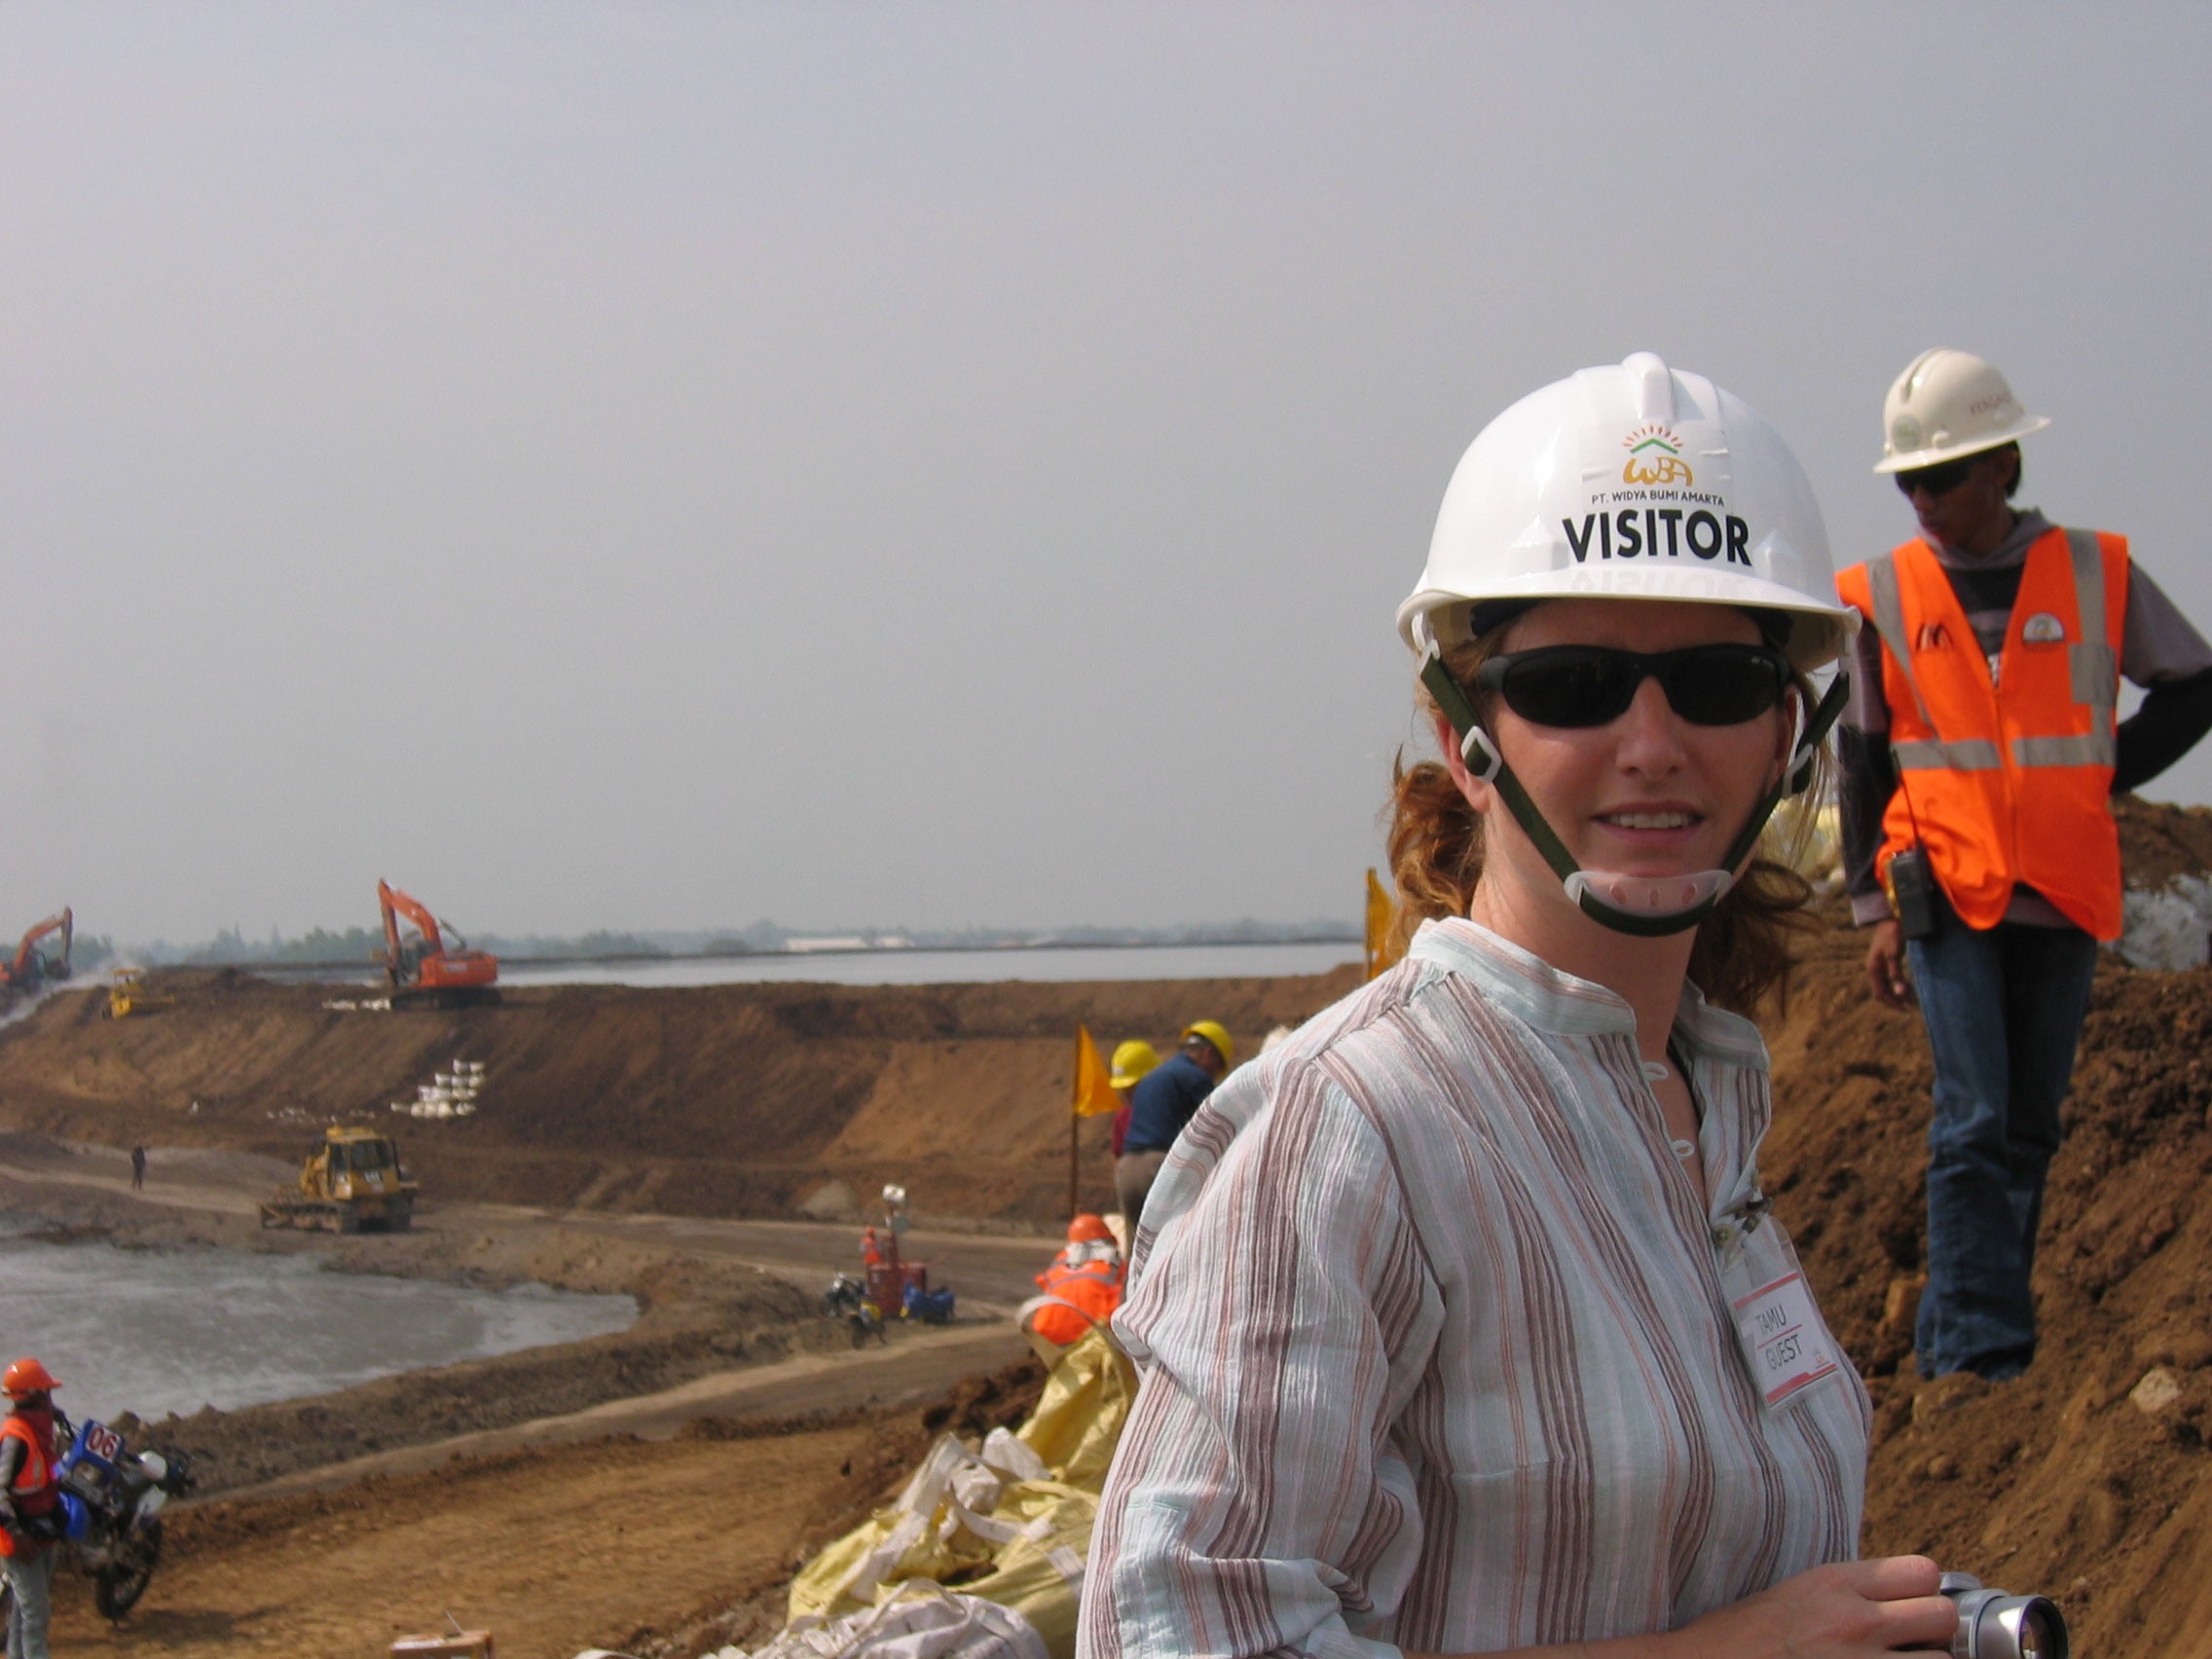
{"x":1132,"y":1060}
{"x":1161,"y":1103}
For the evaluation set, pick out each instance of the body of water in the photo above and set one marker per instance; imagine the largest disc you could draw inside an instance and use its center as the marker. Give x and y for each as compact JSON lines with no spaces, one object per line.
{"x":933,"y":967}
{"x":157,"y":1331}
{"x":952,"y":967}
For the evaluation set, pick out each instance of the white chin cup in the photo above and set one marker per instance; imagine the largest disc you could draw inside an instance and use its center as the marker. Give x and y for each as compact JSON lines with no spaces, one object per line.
{"x":1649,"y":895}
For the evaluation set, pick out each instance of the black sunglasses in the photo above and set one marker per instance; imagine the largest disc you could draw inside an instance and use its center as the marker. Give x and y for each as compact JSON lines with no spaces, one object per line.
{"x":1938,"y":480}
{"x":1592,"y":685}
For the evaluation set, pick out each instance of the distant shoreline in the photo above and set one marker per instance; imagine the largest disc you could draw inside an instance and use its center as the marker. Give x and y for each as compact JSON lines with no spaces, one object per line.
{"x":351,"y":970}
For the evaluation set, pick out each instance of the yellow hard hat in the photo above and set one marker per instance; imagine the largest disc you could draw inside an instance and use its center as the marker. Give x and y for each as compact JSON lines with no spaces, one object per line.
{"x":1132,"y":1060}
{"x":1216,"y":1033}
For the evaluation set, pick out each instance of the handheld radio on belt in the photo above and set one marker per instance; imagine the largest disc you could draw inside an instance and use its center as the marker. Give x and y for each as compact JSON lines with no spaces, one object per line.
{"x":1908,"y":881}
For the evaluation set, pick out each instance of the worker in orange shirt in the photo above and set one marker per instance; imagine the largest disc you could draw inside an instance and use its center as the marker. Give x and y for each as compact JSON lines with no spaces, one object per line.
{"x":1082,"y":1287}
{"x":1980,"y":756}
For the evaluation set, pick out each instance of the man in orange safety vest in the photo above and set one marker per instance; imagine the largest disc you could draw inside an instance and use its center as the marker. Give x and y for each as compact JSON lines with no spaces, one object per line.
{"x":1979,"y":755}
{"x":1082,"y":1287}
{"x":31,"y":1493}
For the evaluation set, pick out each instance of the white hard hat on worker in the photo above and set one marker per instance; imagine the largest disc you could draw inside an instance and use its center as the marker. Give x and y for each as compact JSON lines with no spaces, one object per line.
{"x":1948,"y":405}
{"x":1630,"y":482}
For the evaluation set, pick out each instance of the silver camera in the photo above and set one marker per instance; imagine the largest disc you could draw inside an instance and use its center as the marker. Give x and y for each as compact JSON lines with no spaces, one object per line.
{"x":1995,"y":1625}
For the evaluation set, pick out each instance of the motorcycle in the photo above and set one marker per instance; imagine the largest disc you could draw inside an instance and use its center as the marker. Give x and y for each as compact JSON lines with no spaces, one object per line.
{"x":847,"y":1298}
{"x":109,"y":1517}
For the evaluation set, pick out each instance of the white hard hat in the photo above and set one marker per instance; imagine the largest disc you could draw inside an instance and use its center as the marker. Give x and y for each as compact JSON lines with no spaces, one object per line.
{"x":1630,"y":481}
{"x":1946,"y":406}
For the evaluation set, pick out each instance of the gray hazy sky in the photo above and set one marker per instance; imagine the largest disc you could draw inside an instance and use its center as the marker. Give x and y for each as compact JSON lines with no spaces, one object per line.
{"x":626,"y":465}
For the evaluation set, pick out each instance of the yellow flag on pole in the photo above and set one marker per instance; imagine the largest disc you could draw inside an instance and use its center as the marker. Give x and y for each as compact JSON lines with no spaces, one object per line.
{"x":1093,"y":1082}
{"x":1383,"y":947}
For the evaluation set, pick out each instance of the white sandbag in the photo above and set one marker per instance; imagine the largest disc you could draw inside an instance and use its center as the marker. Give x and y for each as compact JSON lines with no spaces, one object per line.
{"x":1009,"y":1455}
{"x":2166,"y":927}
{"x":924,"y":1621}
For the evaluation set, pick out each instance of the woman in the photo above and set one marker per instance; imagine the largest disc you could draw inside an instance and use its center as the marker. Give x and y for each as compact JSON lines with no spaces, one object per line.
{"x":1463,"y":1324}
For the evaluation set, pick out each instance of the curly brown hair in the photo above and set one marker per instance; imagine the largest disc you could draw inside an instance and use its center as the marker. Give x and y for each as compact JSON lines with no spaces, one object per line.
{"x":1743,"y":957}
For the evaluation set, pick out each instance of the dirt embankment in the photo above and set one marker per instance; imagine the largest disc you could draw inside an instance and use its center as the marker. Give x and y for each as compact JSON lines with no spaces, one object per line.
{"x":655,"y":1548}
{"x":2089,"y":1478}
{"x":719,"y":1100}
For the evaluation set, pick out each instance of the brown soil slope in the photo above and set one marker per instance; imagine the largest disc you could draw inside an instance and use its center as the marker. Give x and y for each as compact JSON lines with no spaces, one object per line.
{"x":652,"y":1547}
{"x":730,"y":1099}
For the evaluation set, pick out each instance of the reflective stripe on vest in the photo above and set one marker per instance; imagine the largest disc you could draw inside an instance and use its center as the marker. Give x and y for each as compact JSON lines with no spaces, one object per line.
{"x":1974,"y":754}
{"x":33,"y":1489}
{"x":2005,"y":781}
{"x":35,"y":1477}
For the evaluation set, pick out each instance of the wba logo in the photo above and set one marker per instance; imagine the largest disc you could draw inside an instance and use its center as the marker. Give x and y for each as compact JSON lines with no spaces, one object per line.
{"x":1655,"y":456}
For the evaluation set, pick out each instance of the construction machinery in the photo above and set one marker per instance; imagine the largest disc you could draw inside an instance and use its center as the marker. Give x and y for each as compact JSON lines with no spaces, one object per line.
{"x":426,"y":972}
{"x":34,"y":966}
{"x":127,"y":994}
{"x":352,"y":1179}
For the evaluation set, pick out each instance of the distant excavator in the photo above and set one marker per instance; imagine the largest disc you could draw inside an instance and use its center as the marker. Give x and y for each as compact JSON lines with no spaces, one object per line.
{"x":423,"y":972}
{"x":32,"y":966}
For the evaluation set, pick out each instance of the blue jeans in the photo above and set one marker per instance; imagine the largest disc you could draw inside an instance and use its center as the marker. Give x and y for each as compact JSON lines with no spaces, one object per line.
{"x":2004,"y":1009}
{"x":28,"y":1573}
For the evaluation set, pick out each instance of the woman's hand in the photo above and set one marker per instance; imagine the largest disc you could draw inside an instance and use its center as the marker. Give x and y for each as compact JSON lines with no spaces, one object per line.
{"x":1847,"y":1611}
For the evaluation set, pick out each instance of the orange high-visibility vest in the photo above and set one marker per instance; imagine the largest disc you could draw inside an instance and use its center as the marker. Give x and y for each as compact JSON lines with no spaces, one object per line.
{"x":1076,"y":1298}
{"x":33,"y":1491}
{"x":2007,"y":782}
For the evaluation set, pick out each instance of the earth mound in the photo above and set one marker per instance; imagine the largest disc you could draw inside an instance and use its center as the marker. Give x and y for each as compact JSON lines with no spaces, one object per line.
{"x":729,"y":1100}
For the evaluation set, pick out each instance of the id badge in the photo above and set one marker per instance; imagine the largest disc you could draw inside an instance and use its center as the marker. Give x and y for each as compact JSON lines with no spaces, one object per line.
{"x":1785,"y":1344}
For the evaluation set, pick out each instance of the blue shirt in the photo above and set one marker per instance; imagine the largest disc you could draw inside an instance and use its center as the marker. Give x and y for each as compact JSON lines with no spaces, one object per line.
{"x":1164,"y":1099}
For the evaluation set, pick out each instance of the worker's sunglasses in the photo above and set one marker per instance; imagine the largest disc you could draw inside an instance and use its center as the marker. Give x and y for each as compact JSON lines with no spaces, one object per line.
{"x":1592,"y":685}
{"x":1935,"y":480}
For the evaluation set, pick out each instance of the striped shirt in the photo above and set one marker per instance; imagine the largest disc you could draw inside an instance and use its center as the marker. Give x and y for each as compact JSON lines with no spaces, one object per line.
{"x":1437,"y":1343}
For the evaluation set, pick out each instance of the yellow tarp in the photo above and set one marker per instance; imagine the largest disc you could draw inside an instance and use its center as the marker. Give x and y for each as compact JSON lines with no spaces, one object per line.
{"x":1009,"y":1522}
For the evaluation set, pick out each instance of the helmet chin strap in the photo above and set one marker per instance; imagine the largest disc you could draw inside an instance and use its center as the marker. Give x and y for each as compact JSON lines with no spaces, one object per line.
{"x":1647,"y":906}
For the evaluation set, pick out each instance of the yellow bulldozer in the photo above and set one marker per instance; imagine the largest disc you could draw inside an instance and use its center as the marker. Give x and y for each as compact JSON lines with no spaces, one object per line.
{"x":351,"y":1180}
{"x":128,"y":995}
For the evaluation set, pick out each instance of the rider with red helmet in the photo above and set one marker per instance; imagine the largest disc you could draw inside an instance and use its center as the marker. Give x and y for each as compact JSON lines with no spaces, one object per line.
{"x":29,"y":1494}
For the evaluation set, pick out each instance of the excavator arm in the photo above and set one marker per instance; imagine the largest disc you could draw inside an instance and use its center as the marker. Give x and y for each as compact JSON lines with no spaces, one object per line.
{"x":436,"y":973}
{"x":397,"y":905}
{"x":25,"y":967}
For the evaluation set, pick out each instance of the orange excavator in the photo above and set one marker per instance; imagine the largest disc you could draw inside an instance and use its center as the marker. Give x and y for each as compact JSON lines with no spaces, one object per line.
{"x":33,"y":967}
{"x":425,"y":974}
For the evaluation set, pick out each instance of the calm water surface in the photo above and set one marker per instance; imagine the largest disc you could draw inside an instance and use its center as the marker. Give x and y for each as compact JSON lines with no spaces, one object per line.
{"x":158,"y":1330}
{"x":929,"y":967}
{"x":954,"y":966}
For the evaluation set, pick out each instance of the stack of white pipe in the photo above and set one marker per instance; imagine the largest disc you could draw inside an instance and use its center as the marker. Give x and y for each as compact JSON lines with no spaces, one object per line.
{"x":448,"y":1094}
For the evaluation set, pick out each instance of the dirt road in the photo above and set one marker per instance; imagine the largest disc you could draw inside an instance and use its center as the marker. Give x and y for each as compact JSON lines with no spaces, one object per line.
{"x":552,"y":1548}
{"x":918,"y":1368}
{"x":992,"y":1272}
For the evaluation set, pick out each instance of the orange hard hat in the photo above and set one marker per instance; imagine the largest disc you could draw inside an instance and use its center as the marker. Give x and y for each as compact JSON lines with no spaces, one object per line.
{"x":1088,"y":1229}
{"x":28,"y":1377}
